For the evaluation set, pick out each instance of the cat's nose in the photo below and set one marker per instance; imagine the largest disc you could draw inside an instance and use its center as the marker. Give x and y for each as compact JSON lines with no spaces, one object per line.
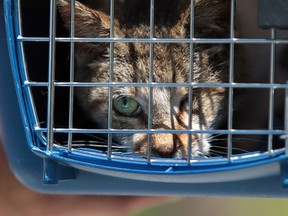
{"x":162,"y":154}
{"x":163,"y":145}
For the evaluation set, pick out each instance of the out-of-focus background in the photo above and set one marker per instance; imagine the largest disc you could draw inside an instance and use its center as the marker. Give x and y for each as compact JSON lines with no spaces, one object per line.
{"x":17,"y":200}
{"x":219,"y":207}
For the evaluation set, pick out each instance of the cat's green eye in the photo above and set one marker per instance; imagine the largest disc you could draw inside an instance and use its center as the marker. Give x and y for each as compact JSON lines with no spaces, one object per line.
{"x":126,"y":106}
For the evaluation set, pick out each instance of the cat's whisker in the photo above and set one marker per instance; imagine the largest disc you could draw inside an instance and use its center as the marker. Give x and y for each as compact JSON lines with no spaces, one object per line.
{"x":216,"y":151}
{"x":209,"y":138}
{"x":38,"y":124}
{"x":249,"y":140}
{"x":233,"y":148}
{"x":201,"y":154}
{"x":214,"y":154}
{"x":93,"y":144}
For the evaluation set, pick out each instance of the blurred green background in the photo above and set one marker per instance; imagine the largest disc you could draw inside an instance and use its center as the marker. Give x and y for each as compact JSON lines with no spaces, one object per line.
{"x":218,"y":207}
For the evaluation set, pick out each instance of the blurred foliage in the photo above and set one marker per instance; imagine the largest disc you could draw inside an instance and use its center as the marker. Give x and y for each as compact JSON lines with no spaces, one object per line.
{"x":219,"y":207}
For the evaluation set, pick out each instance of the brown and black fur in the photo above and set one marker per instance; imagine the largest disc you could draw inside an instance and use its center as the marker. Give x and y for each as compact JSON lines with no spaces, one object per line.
{"x":170,"y":65}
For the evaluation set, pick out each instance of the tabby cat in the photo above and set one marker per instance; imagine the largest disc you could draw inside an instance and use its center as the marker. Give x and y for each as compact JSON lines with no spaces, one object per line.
{"x":171,"y":64}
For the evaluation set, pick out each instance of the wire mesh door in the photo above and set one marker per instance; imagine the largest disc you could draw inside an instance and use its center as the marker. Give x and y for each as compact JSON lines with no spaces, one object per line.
{"x":149,"y":88}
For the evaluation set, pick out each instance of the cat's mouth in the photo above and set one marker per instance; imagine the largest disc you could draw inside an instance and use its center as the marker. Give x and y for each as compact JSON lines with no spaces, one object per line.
{"x":174,"y":146}
{"x":96,"y":142}
{"x":162,"y":145}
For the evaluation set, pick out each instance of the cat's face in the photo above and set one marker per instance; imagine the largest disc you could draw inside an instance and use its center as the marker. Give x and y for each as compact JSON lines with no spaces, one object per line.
{"x":131,"y":64}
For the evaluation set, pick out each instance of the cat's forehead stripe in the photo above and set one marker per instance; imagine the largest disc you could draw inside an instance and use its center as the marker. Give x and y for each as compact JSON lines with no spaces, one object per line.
{"x":133,"y":91}
{"x":161,"y":94}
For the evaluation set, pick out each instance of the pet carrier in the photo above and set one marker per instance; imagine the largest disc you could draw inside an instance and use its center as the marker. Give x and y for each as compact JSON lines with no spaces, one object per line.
{"x":51,"y":150}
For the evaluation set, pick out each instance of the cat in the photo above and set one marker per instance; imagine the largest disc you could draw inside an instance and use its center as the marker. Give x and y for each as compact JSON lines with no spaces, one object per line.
{"x":171,"y":64}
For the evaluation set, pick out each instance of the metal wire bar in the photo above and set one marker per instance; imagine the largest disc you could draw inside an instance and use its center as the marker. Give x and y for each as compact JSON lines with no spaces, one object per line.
{"x":71,"y":78}
{"x":51,"y":76}
{"x":271,"y":91}
{"x":231,"y":80}
{"x":33,"y":117}
{"x":172,"y":85}
{"x":134,"y":131}
{"x":150,"y":97}
{"x":111,"y":74}
{"x":191,"y":78}
{"x":161,"y":40}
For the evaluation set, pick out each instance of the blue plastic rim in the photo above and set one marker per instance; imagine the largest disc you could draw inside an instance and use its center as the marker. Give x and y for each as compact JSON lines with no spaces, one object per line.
{"x":97,"y":161}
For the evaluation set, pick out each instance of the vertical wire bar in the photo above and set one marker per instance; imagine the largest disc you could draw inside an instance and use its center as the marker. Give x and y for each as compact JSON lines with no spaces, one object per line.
{"x":286,"y":119}
{"x":150,"y":99}
{"x":72,"y":69}
{"x":191,"y":77}
{"x":231,"y":80}
{"x":272,"y":90}
{"x":111,"y":74}
{"x":35,"y":119}
{"x":51,"y":75}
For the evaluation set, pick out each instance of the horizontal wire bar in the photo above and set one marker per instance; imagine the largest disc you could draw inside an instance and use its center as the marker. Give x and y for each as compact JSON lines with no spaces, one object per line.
{"x":152,"y":131}
{"x":211,"y":160}
{"x":125,"y":84}
{"x":160,"y":40}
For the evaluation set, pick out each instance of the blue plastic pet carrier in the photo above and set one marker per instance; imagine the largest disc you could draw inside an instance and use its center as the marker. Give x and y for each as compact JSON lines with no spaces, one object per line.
{"x":48,"y":153}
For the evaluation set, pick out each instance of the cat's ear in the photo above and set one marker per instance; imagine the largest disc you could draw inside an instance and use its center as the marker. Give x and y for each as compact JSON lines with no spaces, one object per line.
{"x":88,"y":23}
{"x":211,"y":18}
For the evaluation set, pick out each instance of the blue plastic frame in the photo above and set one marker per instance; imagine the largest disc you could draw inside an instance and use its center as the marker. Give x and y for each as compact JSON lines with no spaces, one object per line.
{"x":98,"y":176}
